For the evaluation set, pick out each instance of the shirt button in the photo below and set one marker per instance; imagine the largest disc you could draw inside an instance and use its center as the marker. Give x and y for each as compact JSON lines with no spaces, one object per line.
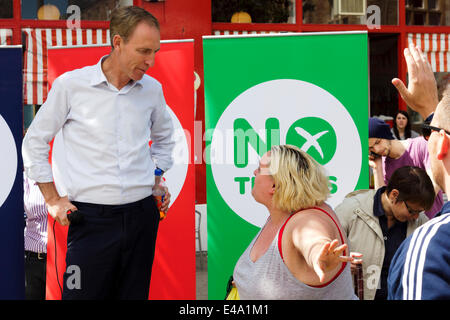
{"x":385,"y":238}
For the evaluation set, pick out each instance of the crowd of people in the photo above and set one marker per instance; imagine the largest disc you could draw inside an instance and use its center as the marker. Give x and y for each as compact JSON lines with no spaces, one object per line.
{"x":399,"y":232}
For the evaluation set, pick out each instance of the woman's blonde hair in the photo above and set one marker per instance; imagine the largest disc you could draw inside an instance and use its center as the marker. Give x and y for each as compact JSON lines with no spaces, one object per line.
{"x":300,"y":182}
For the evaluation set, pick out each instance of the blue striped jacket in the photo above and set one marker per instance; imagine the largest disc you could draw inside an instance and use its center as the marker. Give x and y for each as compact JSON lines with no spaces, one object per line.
{"x":420,"y":269}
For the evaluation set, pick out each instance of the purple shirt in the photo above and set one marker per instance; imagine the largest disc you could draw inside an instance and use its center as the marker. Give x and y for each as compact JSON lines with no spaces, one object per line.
{"x":36,"y":211}
{"x":416,"y":155}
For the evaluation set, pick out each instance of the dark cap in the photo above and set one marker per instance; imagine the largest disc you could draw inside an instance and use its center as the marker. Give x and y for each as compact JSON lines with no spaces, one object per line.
{"x":379,"y":129}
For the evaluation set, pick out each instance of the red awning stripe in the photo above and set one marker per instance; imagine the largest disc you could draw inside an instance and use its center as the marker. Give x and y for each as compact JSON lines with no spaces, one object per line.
{"x":435,"y":46}
{"x":5,"y":37}
{"x":35,"y":64}
{"x":226,"y":32}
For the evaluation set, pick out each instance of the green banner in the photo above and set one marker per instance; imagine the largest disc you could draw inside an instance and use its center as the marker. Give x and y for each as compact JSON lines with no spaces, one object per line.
{"x":308,"y":90}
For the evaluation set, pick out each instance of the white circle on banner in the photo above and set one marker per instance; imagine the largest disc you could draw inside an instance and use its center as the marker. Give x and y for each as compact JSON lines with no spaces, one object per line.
{"x":176,"y":176}
{"x":8,"y":160}
{"x":300,"y":111}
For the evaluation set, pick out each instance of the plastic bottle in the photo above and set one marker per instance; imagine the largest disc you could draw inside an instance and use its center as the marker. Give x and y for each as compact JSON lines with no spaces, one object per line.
{"x":159,"y":191}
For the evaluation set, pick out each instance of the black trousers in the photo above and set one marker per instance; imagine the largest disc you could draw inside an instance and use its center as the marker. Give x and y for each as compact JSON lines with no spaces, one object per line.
{"x":110,"y":254}
{"x":35,"y":275}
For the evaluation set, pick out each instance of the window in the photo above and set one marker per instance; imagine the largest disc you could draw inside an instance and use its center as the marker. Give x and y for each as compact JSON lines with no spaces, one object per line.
{"x":383,"y":12}
{"x":61,"y":9}
{"x":428,"y":12}
{"x":6,"y":9}
{"x":253,"y":11}
{"x":383,"y":68}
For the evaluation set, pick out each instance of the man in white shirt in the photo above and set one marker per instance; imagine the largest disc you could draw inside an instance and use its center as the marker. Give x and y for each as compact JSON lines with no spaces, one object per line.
{"x":108,"y":113}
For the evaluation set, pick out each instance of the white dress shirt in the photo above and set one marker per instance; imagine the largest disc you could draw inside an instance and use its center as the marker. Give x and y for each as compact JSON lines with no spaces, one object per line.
{"x":105,"y":132}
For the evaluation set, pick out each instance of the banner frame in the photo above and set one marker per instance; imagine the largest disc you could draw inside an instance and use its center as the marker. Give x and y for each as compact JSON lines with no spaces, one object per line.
{"x":185,"y":291}
{"x":213,"y":51}
{"x":281,"y":34}
{"x":108,"y":45}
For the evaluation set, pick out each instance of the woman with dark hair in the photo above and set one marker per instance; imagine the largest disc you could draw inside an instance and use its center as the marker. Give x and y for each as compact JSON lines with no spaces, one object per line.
{"x":377,"y":221}
{"x":402,"y":126}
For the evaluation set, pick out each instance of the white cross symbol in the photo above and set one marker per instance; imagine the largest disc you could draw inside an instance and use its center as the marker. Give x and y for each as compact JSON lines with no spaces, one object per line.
{"x":311,"y":141}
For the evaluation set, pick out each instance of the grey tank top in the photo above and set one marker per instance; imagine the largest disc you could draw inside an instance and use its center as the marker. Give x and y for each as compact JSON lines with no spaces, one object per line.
{"x":269,"y":279}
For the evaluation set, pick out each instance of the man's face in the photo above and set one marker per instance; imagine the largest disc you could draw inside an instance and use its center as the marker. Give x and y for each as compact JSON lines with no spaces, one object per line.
{"x":381,"y":147}
{"x":436,"y":165}
{"x":138,"y":54}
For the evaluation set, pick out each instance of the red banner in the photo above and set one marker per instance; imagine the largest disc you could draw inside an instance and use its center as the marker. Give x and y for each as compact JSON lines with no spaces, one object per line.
{"x":173,"y":274}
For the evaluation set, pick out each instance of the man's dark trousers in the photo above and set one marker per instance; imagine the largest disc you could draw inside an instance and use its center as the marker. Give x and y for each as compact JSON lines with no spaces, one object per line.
{"x":110,"y":254}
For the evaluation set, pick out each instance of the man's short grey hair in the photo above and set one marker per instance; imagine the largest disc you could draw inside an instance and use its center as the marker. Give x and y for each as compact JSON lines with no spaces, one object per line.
{"x":125,"y":19}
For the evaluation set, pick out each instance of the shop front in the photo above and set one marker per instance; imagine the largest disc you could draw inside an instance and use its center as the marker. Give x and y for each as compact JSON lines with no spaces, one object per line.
{"x":391,"y":25}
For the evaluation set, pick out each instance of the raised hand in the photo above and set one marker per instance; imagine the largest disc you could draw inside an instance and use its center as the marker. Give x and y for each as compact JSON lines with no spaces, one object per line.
{"x":421,"y":94}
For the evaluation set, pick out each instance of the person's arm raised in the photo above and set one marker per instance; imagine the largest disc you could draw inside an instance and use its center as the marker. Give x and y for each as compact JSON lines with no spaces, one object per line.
{"x":421,"y":94}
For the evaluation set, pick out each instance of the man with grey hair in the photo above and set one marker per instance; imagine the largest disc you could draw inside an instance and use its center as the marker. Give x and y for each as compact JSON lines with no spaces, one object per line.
{"x":420,"y":268}
{"x":107,"y":112}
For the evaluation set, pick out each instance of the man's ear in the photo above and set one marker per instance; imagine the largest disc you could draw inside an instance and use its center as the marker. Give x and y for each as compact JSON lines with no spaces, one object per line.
{"x":442,"y":145}
{"x":117,"y":41}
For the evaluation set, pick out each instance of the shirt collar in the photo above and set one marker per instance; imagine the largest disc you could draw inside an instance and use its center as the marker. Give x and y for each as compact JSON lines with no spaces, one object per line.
{"x":378,"y":210}
{"x":99,"y":77}
{"x":446,"y":207}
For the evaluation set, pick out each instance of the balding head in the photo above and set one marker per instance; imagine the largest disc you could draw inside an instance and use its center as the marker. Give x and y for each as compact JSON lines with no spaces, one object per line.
{"x":441,"y":116}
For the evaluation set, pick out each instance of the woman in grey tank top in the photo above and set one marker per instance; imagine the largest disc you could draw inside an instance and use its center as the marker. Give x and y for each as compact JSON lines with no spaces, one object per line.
{"x":300,"y":253}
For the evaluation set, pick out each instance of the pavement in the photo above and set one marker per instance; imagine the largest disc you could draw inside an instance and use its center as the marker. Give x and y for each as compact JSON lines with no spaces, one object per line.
{"x":201,"y":273}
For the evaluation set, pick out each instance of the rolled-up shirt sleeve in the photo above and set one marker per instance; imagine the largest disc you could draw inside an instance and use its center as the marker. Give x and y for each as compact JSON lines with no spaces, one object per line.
{"x":47,"y":122}
{"x":162,"y":135}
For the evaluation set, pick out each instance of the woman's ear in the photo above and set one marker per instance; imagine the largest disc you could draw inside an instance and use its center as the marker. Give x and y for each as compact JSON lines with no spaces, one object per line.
{"x":393,"y":195}
{"x":272,"y":190}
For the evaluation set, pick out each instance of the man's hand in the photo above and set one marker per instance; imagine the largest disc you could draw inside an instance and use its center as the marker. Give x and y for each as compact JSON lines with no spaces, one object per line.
{"x":166,"y":202}
{"x":58,"y":209}
{"x":356,"y":260}
{"x":375,"y":162}
{"x":57,"y":206}
{"x":421,"y":94}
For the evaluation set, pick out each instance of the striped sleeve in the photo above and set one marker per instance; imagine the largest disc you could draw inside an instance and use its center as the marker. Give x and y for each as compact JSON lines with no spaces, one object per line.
{"x":420,"y":269}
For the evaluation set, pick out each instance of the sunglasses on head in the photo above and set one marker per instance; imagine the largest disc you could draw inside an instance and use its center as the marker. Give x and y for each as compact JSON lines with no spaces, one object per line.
{"x":427,"y":129}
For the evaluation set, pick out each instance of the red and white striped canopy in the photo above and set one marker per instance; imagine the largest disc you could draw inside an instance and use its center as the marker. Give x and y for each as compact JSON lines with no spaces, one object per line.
{"x":435,"y":46}
{"x":35,"y":61}
{"x":226,"y":32}
{"x":5,"y":37}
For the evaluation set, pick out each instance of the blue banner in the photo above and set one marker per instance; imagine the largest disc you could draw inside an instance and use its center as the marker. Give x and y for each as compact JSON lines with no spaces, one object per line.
{"x":12,"y":278}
